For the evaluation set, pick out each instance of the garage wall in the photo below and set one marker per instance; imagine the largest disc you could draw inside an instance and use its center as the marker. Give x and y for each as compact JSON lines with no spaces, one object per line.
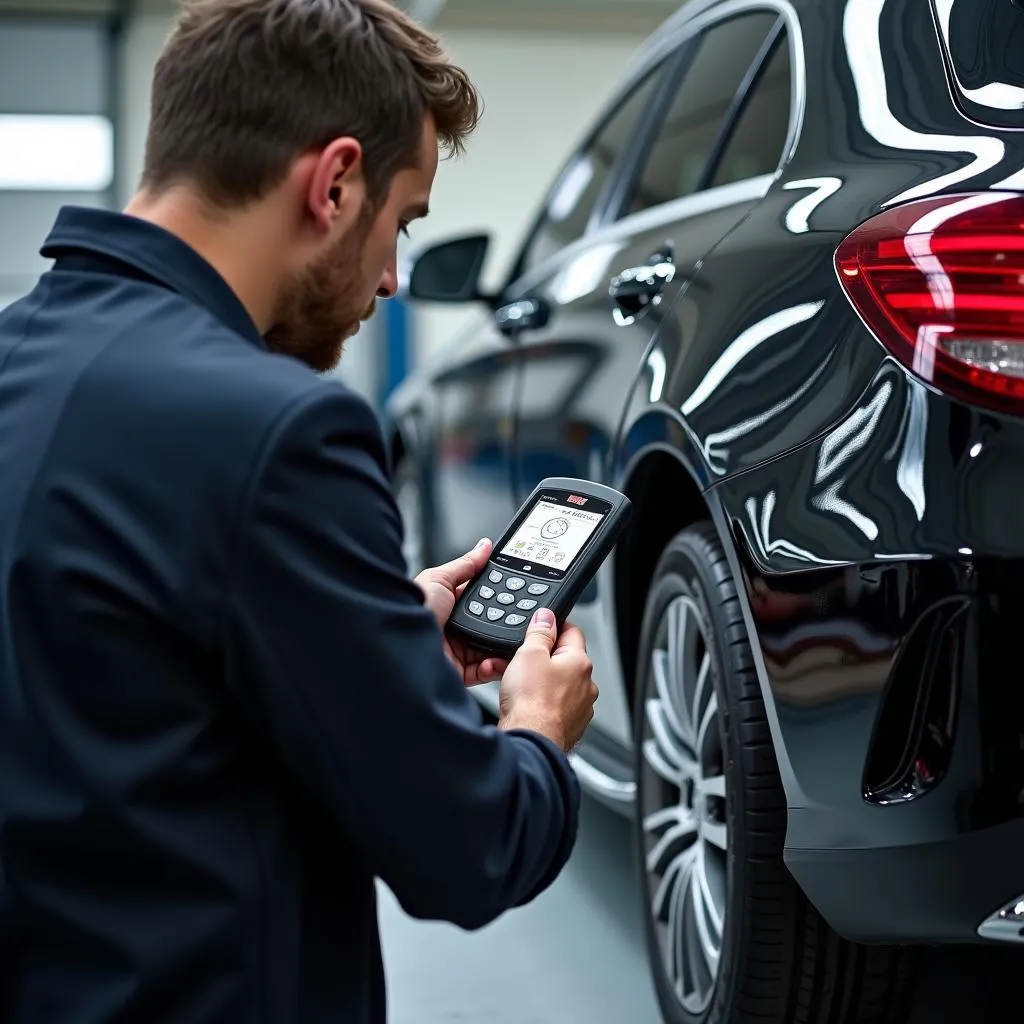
{"x":541,"y":79}
{"x":30,"y":50}
{"x":540,"y":90}
{"x":145,"y":37}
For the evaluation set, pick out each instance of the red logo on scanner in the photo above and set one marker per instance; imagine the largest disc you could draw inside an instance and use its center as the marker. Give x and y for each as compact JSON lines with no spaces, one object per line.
{"x":575,"y":499}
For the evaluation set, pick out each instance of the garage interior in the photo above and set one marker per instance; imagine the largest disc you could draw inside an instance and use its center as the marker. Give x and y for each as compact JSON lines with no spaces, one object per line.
{"x":576,"y":955}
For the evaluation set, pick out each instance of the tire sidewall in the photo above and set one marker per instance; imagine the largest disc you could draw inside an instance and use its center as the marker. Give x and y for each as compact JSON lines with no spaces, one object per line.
{"x":684,"y":569}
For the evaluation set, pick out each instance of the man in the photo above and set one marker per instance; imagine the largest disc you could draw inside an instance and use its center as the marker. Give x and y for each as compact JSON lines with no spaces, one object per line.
{"x":224,"y":709}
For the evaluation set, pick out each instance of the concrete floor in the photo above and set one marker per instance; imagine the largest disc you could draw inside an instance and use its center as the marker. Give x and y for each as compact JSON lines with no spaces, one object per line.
{"x":577,"y":954}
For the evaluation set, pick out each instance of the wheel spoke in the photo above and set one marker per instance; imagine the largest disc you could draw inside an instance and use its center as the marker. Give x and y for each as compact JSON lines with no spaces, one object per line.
{"x":690,"y":976}
{"x":706,"y":730}
{"x":674,"y":875}
{"x":708,"y":947}
{"x":703,"y":675}
{"x":684,"y":828}
{"x":712,"y":785}
{"x":682,"y":764}
{"x":663,"y":689}
{"x":670,"y":815}
{"x":715,"y":916}
{"x":716,"y":834}
{"x":672,"y":939}
{"x":677,"y":939}
{"x":678,"y":649}
{"x":656,"y":760}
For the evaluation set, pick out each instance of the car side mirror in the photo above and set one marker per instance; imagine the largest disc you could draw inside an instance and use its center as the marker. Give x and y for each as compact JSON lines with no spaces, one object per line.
{"x":448,"y":271}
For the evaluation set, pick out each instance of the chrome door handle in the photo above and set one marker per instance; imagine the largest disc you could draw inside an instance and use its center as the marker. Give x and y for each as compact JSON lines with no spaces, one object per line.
{"x":636,"y":290}
{"x":525,"y":315}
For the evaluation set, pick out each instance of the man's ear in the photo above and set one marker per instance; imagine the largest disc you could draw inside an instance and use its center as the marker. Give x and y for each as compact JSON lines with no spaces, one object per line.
{"x":336,"y":186}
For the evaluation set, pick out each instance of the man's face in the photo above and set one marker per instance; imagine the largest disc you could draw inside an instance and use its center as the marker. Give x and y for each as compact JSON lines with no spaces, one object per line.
{"x":326,"y":302}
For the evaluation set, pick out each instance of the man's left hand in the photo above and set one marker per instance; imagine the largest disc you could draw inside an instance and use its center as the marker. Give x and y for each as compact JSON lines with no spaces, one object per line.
{"x":441,"y":588}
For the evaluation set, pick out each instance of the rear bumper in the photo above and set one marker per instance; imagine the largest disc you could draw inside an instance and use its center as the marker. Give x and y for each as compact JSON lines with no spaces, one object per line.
{"x":896,"y":698}
{"x":906,"y":818}
{"x":882,"y":576}
{"x":936,"y":892}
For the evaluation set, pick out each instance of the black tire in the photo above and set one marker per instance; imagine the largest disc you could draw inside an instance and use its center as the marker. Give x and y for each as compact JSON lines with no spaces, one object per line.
{"x":779,"y":962}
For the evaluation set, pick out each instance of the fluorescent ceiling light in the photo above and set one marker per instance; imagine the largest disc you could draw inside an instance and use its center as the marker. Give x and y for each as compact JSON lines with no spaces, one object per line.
{"x":56,"y":152}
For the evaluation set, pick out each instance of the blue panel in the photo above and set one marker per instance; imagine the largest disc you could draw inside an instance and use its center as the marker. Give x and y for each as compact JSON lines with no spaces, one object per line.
{"x":397,"y":358}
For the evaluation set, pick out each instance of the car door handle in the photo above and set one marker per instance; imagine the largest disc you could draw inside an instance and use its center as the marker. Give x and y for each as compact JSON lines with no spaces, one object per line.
{"x":525,"y":315}
{"x":637,"y":289}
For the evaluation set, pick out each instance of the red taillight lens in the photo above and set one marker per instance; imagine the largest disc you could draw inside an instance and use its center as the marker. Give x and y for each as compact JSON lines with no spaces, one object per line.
{"x":941,"y":283}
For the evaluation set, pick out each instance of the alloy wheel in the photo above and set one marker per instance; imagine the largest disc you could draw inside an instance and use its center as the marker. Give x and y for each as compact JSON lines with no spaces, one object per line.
{"x":683,"y":806}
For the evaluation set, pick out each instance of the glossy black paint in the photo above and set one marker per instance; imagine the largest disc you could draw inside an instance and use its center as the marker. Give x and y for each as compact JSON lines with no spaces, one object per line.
{"x":984,"y":42}
{"x":875,"y":526}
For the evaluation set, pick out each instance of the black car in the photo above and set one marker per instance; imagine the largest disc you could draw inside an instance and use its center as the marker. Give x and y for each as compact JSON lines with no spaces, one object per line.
{"x":777,"y":297}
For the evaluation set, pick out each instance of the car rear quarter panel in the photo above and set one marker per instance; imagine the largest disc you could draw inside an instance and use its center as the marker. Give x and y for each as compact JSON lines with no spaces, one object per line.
{"x":852,"y":497}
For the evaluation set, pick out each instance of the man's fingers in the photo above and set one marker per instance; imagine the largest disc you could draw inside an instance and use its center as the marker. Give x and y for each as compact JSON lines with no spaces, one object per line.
{"x":487,"y":671}
{"x":571,"y":639}
{"x":542,"y":632}
{"x":461,"y":570}
{"x":490,"y":670}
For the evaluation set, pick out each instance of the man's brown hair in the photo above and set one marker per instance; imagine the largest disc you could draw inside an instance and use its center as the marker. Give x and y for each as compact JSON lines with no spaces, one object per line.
{"x":244,"y":87}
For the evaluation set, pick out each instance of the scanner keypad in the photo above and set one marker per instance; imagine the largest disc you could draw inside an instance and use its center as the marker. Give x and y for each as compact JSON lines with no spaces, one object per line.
{"x":497,"y":600}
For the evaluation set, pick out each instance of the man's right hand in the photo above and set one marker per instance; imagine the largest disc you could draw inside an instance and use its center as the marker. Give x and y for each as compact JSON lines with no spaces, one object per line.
{"x":548,"y":686}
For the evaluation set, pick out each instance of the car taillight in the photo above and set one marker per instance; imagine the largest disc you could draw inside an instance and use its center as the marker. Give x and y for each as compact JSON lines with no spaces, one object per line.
{"x":941,"y":283}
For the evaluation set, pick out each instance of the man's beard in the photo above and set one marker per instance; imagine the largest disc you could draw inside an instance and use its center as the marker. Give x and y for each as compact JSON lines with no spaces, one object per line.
{"x":320,"y":308}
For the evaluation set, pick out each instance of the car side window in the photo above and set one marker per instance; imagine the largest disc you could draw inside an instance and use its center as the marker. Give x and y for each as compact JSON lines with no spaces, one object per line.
{"x":758,"y":137}
{"x":581,"y":184}
{"x":688,"y":135}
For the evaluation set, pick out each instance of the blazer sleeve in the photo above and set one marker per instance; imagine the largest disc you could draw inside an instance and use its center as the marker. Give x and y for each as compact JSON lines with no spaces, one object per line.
{"x":330,"y":641}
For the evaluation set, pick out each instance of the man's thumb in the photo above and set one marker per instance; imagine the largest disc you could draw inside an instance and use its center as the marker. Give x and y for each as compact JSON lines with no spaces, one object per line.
{"x":542,"y":632}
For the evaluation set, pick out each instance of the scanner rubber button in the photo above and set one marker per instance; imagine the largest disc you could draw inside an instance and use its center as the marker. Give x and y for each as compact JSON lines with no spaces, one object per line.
{"x":515,"y":620}
{"x":476,"y":608}
{"x":495,"y":576}
{"x":506,"y":599}
{"x":494,"y":614}
{"x":515,"y":583}
{"x":527,"y":605}
{"x":486,"y":593}
{"x":537,"y":588}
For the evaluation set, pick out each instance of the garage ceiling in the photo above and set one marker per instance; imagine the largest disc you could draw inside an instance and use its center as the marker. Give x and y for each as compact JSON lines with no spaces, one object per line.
{"x":631,"y":17}
{"x":45,"y":8}
{"x":609,"y":15}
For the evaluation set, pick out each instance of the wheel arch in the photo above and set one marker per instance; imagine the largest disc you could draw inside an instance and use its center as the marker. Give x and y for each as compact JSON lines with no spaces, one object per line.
{"x":666,"y":497}
{"x":661,"y":472}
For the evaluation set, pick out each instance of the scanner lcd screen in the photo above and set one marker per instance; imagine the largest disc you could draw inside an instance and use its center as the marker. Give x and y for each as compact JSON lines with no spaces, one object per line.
{"x":553,"y":534}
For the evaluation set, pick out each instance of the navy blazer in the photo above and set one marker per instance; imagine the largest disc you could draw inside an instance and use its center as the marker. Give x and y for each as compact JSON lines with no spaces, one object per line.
{"x":224,"y":708}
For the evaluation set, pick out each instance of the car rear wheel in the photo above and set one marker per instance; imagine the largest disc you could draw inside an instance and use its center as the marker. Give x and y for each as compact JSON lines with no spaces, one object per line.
{"x":409,"y":498}
{"x":731,"y":937}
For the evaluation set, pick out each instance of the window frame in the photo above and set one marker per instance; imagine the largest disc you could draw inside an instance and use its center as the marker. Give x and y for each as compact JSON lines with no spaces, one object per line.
{"x":754,"y":74}
{"x":662,"y":68}
{"x":668,"y":53}
{"x":619,"y":209}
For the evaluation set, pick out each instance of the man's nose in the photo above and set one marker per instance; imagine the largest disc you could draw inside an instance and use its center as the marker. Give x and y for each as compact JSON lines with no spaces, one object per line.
{"x":388,"y":287}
